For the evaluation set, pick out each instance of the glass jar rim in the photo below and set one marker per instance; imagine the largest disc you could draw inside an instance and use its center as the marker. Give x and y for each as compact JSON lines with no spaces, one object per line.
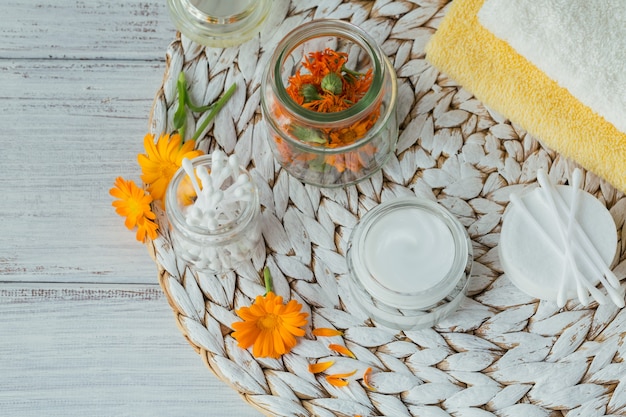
{"x":316,"y":29}
{"x":176,"y":218}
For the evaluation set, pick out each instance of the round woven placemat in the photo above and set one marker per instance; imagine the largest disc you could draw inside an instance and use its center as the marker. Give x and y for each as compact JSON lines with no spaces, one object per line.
{"x":502,"y":354}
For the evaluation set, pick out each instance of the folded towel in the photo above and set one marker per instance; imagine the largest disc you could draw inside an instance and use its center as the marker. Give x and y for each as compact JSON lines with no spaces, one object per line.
{"x":508,"y":83}
{"x":580,"y":44}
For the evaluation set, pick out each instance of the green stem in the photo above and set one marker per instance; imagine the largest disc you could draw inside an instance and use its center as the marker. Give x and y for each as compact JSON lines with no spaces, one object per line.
{"x":198,"y":109}
{"x":267,"y":277}
{"x":217,"y":106}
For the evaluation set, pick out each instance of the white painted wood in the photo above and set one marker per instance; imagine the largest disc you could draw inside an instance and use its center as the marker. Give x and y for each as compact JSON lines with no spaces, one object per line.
{"x":85,"y":29}
{"x":84,"y":327}
{"x":71,"y":127}
{"x":102,"y":350}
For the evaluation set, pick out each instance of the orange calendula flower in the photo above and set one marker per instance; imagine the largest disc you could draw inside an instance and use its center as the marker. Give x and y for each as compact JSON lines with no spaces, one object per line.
{"x":162,"y":160}
{"x":316,"y":368}
{"x":326,"y":332}
{"x":342,"y":350}
{"x":339,"y":380}
{"x":134,"y":204}
{"x":268,"y":325}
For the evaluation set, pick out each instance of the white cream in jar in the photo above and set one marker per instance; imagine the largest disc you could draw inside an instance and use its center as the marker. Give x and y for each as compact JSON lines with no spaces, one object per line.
{"x":409,"y":262}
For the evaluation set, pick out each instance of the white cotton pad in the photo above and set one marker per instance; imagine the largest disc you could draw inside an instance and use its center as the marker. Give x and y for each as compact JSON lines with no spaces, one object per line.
{"x":535,"y":266}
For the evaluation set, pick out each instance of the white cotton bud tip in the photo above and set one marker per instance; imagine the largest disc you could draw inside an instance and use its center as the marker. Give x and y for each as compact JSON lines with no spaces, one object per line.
{"x":218,"y":159}
{"x":194,"y":213}
{"x":242,"y":179}
{"x":212,"y":223}
{"x":215,"y":198}
{"x":205,"y":178}
{"x":233,"y":162}
{"x":187,"y":166}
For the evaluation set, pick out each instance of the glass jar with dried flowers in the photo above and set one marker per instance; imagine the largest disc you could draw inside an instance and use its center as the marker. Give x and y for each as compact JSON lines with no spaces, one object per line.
{"x":328,"y":100}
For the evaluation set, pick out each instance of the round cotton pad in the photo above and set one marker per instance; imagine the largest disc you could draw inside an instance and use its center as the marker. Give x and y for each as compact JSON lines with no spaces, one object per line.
{"x":535,"y":266}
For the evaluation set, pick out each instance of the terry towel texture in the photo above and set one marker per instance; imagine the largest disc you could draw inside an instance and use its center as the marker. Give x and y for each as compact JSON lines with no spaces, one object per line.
{"x":507,"y":82}
{"x":581,"y":44}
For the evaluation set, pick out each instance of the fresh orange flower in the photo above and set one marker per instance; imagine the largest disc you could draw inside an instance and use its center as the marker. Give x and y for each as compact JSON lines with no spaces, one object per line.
{"x":316,"y":368}
{"x":326,"y":332}
{"x":342,"y":350}
{"x":270,"y":326}
{"x":339,"y":380}
{"x":134,"y":204}
{"x":366,"y":379}
{"x":162,"y":160}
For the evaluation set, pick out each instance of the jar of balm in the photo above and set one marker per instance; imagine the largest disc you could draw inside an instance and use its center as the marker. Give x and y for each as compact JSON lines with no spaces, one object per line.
{"x":410,"y":262}
{"x":328,"y":98}
{"x":213,"y":209}
{"x":219,"y":23}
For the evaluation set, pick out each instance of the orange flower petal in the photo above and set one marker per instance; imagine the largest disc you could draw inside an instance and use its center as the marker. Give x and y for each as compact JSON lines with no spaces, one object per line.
{"x":342,"y":350}
{"x":366,"y":379}
{"x":326,"y":332}
{"x":339,"y":380}
{"x":316,"y":368}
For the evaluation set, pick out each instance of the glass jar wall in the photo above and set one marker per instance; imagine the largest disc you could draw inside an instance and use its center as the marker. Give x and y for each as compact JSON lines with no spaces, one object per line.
{"x":217,"y":226}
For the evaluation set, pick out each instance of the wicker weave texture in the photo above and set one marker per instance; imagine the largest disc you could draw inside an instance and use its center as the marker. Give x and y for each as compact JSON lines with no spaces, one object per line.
{"x":503,"y":354}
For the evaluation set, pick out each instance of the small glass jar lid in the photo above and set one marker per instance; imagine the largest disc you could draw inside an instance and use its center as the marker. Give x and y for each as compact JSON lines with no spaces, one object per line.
{"x":409,"y":261}
{"x":219,"y":23}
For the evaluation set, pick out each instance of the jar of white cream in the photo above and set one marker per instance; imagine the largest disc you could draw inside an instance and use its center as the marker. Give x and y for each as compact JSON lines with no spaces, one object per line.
{"x":409,"y":261}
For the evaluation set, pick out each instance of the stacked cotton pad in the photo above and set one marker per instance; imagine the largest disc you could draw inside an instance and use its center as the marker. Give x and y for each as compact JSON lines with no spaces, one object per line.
{"x":558,"y":242}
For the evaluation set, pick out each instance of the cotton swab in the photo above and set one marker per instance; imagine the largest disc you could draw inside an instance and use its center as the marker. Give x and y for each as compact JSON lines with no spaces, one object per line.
{"x":581,"y":241}
{"x":567,"y":266}
{"x":223,"y":193}
{"x":550,"y":193}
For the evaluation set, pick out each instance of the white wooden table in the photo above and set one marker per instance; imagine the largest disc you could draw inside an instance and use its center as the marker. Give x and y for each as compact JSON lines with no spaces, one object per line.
{"x":84,"y":327}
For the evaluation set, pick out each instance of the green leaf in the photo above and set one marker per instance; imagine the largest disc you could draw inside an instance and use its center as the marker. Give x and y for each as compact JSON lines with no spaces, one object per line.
{"x":215,"y":108}
{"x":306,"y":134}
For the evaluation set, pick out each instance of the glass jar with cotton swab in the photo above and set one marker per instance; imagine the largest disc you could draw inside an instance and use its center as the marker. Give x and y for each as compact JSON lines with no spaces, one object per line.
{"x":212,"y":205}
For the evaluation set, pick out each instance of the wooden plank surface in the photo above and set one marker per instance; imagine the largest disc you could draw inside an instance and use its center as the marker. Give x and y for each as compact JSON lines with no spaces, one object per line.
{"x":71,"y":127}
{"x":85,"y":29}
{"x":84,"y":327}
{"x":101,"y":350}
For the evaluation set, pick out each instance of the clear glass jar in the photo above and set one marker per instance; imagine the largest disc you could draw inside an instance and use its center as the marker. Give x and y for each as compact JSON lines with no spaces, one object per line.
{"x":334,"y":148}
{"x":215,"y":249}
{"x":219,"y":23}
{"x":409,"y":261}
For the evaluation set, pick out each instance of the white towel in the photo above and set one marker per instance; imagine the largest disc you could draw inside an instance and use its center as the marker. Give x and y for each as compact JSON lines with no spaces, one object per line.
{"x":580,"y":44}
